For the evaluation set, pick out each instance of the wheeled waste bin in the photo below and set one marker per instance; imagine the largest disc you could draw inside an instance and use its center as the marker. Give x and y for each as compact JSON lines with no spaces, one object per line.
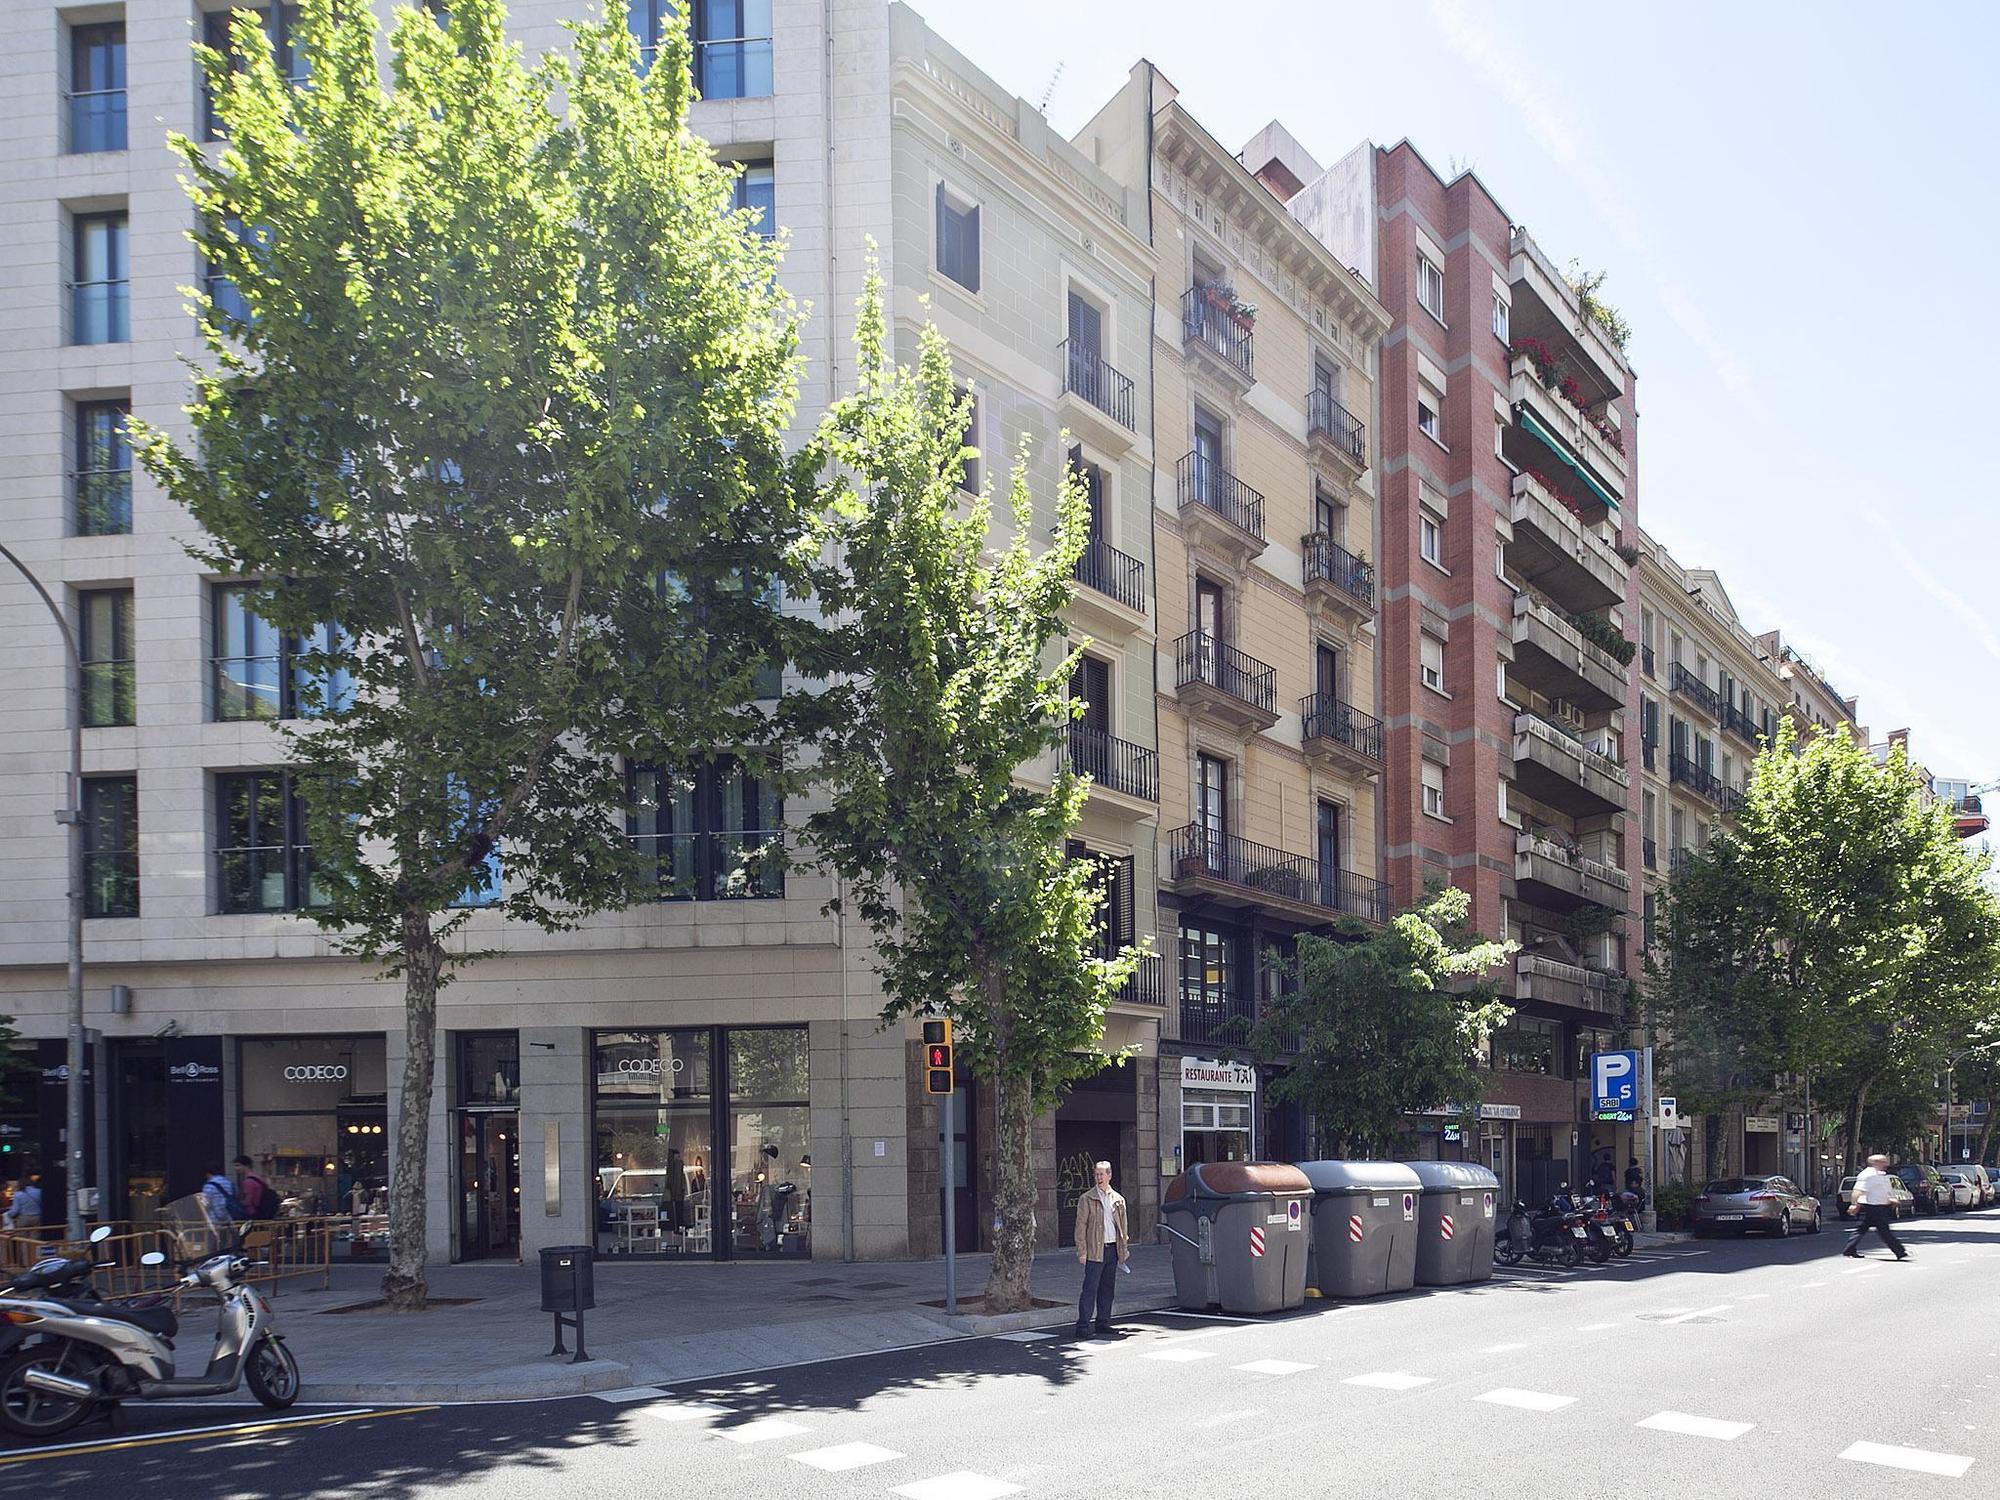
{"x":1239,"y":1240}
{"x":1456,"y":1218}
{"x":1364,"y":1235}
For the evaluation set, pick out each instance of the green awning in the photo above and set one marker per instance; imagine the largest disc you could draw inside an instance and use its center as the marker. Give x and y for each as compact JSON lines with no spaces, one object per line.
{"x":1560,"y":449}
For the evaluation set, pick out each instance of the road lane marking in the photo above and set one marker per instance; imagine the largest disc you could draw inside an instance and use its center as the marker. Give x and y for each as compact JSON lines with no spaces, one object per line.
{"x":1502,"y":1348}
{"x":1390,"y":1380}
{"x":688,"y":1411}
{"x":1526,"y":1400}
{"x":762,"y":1430}
{"x":1595,"y":1327}
{"x":839,"y":1460}
{"x":1708,"y":1427}
{"x":1806,"y":1286}
{"x":627,"y":1393}
{"x":1025,"y":1336}
{"x":203,"y":1434}
{"x":1699,"y":1312}
{"x":1273,"y":1367}
{"x":1916,"y":1460}
{"x":1223,"y":1419}
{"x":963,"y":1485}
{"x":1179,"y":1356}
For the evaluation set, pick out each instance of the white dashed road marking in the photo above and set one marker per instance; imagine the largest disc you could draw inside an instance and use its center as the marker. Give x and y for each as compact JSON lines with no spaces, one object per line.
{"x":1273,"y":1367}
{"x":1699,"y":1312}
{"x":1526,"y":1400}
{"x":628,"y":1393}
{"x":1025,"y":1336}
{"x":761,"y":1431}
{"x":1389,"y":1380}
{"x":1708,"y":1427}
{"x":687,"y":1411}
{"x":846,"y":1456}
{"x":1917,"y":1460}
{"x":1181,"y":1356}
{"x":960,"y":1486}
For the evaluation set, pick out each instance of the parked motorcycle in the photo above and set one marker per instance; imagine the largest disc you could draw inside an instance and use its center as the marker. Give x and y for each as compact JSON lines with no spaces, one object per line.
{"x":1546,"y":1238}
{"x":78,"y":1357}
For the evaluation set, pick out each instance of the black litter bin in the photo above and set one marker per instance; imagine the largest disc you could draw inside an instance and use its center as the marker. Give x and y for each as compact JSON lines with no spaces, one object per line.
{"x":1456,"y":1222}
{"x":1364,"y":1235}
{"x":1240,"y":1235}
{"x":566,"y":1279}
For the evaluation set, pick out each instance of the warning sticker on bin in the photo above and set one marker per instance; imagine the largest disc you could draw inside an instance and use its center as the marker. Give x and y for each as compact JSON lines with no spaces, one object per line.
{"x":1409,"y":1207}
{"x":1354,"y":1228}
{"x":1444,"y":1227}
{"x":1381,"y":1202}
{"x":1256,"y":1242}
{"x":1294,"y":1212}
{"x":1489,"y":1205}
{"x":1274,"y":1218}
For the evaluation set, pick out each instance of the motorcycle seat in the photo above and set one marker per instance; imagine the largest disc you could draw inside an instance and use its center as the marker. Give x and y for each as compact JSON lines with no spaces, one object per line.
{"x":155,"y":1320}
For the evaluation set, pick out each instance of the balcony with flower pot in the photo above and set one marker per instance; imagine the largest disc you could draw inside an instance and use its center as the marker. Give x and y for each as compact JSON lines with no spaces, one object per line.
{"x":1340,"y":587}
{"x":1553,"y":656}
{"x":1218,"y":328}
{"x":1340,"y":737}
{"x":1544,"y":305}
{"x":1549,"y":871}
{"x":1234,"y":872}
{"x":1556,"y":546}
{"x":1554,"y":766}
{"x":1553,"y":981}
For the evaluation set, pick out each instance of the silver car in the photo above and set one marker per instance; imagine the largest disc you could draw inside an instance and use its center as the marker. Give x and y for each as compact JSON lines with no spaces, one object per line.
{"x":1774,"y":1205}
{"x":1964,"y":1192}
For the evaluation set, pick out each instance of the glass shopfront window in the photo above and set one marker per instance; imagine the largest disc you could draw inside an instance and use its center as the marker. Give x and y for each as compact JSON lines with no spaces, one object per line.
{"x":315,"y":1126}
{"x":680,"y":1117}
{"x":1526,"y":1045}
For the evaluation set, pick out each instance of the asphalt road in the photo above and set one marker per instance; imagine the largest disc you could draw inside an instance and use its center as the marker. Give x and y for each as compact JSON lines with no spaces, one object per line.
{"x":1719,"y":1368}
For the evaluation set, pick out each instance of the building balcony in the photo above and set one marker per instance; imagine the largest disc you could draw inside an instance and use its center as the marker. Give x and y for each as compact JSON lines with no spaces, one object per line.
{"x":1554,"y":982}
{"x":1111,"y":589}
{"x":1098,"y":402}
{"x":1218,"y":510}
{"x":1213,"y":334}
{"x":1335,"y":435}
{"x":1219,"y":1020}
{"x":1685,"y":685}
{"x":1147,"y":985}
{"x":1337,"y":582}
{"x":1544,"y":306}
{"x":1552,"y":657}
{"x":1124,"y":777}
{"x":1234,"y":872}
{"x":1222,"y":684}
{"x":1575,"y":562}
{"x":1340,"y":736}
{"x":1704,"y":783}
{"x":1563,"y":432}
{"x":1555,"y":767}
{"x":1551,"y":874}
{"x":1740,"y":724}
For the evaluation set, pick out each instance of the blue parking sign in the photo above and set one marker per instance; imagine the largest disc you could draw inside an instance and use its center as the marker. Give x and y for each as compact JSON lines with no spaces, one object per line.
{"x":1614,"y":1082}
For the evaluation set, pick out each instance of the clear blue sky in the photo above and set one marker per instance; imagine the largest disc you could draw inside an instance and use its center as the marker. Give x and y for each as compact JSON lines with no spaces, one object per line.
{"x":1796,"y":206}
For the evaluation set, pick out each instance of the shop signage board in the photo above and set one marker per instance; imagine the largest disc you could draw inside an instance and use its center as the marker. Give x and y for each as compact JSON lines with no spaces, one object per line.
{"x":1761,"y":1124}
{"x":1208,"y":1073}
{"x":1614,"y":1082}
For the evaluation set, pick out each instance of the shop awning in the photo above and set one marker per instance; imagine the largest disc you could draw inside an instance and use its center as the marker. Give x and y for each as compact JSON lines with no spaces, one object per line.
{"x":1560,"y":449}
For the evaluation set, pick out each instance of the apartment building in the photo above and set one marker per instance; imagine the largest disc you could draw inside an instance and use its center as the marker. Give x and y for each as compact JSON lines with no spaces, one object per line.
{"x":669,"y":1079}
{"x":1264,"y":351}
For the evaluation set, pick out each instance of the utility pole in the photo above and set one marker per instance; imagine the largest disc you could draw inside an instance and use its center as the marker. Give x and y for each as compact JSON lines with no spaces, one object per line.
{"x":70,"y":815}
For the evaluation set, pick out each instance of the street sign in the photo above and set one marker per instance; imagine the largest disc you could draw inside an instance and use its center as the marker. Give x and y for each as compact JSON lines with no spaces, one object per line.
{"x":1409,"y":1207}
{"x":1614,"y":1081}
{"x":1670,"y":1113}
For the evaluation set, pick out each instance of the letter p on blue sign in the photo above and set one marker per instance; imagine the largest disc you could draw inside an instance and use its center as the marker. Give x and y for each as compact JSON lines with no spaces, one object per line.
{"x":1614,"y":1080}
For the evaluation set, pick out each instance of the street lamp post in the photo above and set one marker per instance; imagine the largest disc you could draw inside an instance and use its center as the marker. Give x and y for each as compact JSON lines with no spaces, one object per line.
{"x":71,"y":817}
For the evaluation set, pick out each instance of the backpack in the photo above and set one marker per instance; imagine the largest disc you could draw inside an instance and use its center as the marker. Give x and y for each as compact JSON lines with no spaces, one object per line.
{"x":266,"y":1204}
{"x":232,"y":1206}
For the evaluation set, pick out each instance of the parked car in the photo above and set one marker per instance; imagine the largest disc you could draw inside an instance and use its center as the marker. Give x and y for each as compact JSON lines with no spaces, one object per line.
{"x":1901,"y":1204}
{"x":1963,"y":1193}
{"x":1774,"y":1205}
{"x":1982,"y":1181}
{"x":1929,"y":1189}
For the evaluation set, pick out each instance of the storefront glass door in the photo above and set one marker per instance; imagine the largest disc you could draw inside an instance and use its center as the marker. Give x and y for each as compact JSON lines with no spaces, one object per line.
{"x":489,"y":1194}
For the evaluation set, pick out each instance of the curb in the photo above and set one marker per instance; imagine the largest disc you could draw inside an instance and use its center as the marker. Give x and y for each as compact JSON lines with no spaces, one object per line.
{"x":578,"y":1380}
{"x":986,"y":1325}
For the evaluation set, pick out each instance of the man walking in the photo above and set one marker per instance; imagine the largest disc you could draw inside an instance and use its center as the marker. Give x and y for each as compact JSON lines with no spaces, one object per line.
{"x":1103,"y":1244}
{"x":1872,"y":1208}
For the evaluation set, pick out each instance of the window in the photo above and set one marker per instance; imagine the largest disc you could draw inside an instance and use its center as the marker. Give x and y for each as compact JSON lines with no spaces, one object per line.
{"x":647,"y":20}
{"x":1433,"y":789}
{"x":1327,"y":849}
{"x":1117,"y":920}
{"x":100,"y":288}
{"x":1651,"y":918}
{"x":1526,"y":1045}
{"x":1429,"y":404}
{"x":968,"y":477}
{"x":1090,"y":685}
{"x":111,"y":846}
{"x":482,"y":884}
{"x":101,"y":482}
{"x":1208,"y":982}
{"x":1430,"y":656}
{"x":232,"y":309}
{"x":958,"y":238}
{"x":104,"y":646}
{"x":1211,"y":806}
{"x":1500,"y":315}
{"x":278,"y":22}
{"x":1430,"y":286}
{"x":1430,"y":539}
{"x":1676,"y":829}
{"x":756,"y":190}
{"x":263,"y":857}
{"x":711,"y":831}
{"x":97,"y":88}
{"x":259,"y":672}
{"x":732,"y":48}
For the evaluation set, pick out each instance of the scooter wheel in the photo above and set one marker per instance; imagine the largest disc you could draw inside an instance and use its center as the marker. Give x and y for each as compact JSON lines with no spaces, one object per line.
{"x":1624,"y":1247}
{"x":273,"y":1374}
{"x":31,"y":1413}
{"x":1566,"y":1253}
{"x":1507,"y":1253}
{"x":1599,"y":1252}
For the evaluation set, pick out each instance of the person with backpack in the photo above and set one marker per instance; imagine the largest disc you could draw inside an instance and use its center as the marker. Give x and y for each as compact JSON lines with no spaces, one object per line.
{"x":218,"y":1198}
{"x":253,"y":1192}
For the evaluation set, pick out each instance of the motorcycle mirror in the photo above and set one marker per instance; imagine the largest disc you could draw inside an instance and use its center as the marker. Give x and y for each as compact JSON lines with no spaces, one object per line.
{"x":152,"y":1258}
{"x":100,"y":1234}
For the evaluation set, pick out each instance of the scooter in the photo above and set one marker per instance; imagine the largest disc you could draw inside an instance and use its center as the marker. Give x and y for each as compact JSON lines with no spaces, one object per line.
{"x":1544,"y":1238}
{"x":84,"y":1357}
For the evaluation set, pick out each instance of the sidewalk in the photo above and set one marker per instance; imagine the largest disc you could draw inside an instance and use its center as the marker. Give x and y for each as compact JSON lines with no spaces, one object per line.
{"x":655,"y":1323}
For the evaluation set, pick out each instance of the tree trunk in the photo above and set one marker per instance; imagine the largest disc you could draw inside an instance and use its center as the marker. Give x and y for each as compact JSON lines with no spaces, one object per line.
{"x":1854,"y":1156}
{"x":403,"y":1284}
{"x":1013,"y":1195}
{"x":1986,"y":1135}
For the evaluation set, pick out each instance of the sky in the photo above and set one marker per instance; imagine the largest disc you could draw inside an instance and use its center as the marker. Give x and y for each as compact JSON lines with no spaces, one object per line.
{"x":1794,"y":204}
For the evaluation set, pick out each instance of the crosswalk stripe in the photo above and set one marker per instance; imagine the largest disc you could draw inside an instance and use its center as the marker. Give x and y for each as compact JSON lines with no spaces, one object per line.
{"x":1273,"y":1367}
{"x":1708,"y":1427}
{"x":845,"y":1456}
{"x":762,"y":1430}
{"x":1389,"y":1380}
{"x":963,"y":1485}
{"x":1916,"y":1460}
{"x":687,"y":1411}
{"x":1180,"y":1356}
{"x":1526,"y":1400}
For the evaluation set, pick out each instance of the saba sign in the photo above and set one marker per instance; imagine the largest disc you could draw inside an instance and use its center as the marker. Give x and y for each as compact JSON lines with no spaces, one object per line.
{"x":1614,"y":1083}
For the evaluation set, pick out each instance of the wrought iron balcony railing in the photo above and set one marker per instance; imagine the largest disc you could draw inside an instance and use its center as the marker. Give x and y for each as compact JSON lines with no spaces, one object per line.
{"x":1115,"y":764}
{"x":1327,"y":418}
{"x":1695,"y":691}
{"x":1205,"y":320}
{"x":1202,"y":658}
{"x":1326,"y":561}
{"x":1103,"y":568}
{"x":1697,"y":779}
{"x":1203,"y":481}
{"x":1199,"y":852}
{"x":1086,"y":374}
{"x":1325,"y":717}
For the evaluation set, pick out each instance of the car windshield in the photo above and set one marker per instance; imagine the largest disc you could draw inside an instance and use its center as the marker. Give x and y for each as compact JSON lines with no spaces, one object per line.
{"x":1734,"y":1185}
{"x":1845,"y":1182}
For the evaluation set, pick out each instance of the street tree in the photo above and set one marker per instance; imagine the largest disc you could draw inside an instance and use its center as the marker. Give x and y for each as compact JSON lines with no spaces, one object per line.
{"x":951,"y":633}
{"x":1385,"y":1024}
{"x":497,"y":430}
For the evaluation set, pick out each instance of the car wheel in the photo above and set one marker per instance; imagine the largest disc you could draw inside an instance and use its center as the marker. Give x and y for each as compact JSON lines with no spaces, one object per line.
{"x":1816,"y":1226}
{"x":1784,"y":1229}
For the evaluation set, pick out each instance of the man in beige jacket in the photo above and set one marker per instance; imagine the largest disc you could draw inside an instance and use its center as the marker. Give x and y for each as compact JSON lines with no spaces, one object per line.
{"x":1103,"y":1244}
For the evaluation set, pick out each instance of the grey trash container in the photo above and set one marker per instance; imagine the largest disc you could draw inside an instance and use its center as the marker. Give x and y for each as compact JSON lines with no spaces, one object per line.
{"x":1364,"y":1237}
{"x":1239,"y":1240}
{"x":1461,"y":1205}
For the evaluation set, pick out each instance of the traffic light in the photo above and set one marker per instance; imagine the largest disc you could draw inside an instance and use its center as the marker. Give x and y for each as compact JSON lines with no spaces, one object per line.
{"x":937,"y":1057}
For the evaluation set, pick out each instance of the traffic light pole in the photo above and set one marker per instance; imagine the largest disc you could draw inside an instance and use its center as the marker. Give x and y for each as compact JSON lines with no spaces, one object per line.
{"x":945,"y":1175}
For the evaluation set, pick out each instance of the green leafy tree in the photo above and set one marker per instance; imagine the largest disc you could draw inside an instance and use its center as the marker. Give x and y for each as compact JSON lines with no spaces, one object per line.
{"x":1387,"y":1025}
{"x":507,"y":410}
{"x":959,"y":868}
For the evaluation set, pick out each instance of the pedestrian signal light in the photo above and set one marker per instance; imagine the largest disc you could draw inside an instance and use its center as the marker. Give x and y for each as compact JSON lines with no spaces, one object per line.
{"x":937,"y":1057}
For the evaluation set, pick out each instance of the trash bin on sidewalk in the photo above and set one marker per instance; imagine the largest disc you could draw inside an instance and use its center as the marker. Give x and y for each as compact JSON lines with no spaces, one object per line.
{"x":1456,"y":1219}
{"x":1364,"y":1234}
{"x":1239,"y":1239}
{"x":567,"y":1279}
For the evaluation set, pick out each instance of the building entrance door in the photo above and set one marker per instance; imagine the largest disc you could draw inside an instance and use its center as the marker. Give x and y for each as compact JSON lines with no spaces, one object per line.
{"x":489,"y":1186}
{"x":1080,"y":1146}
